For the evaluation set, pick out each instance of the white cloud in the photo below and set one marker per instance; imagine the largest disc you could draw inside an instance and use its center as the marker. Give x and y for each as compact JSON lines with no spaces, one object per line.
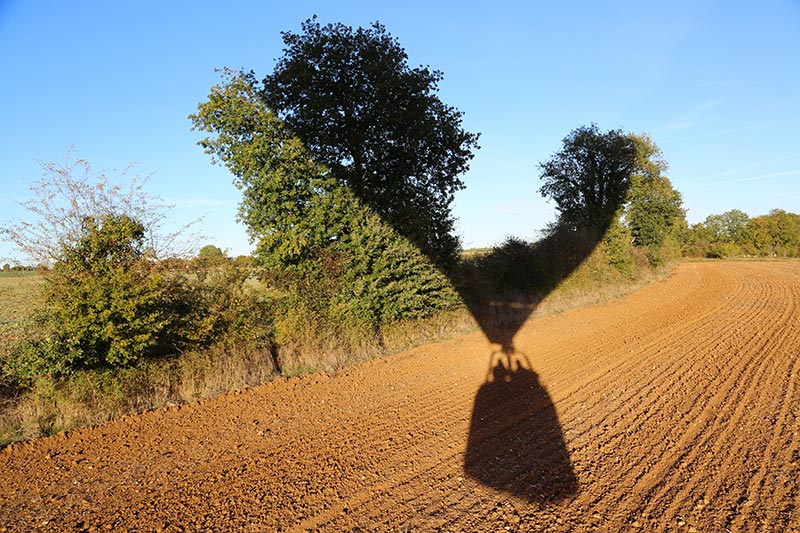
{"x":691,"y":117}
{"x":766,"y":176}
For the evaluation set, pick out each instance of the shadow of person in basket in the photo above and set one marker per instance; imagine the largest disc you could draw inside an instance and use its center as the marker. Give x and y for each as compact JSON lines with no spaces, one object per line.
{"x":515,"y":442}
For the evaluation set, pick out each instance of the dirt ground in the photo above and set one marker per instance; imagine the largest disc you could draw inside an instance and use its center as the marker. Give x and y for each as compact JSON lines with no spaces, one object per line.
{"x":676,"y":408}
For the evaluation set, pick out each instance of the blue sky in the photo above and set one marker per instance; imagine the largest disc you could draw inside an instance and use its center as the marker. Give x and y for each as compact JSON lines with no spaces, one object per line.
{"x":716,"y":84}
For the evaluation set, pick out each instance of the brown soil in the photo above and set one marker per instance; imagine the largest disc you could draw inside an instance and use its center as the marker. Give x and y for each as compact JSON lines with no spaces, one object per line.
{"x":674,"y":409}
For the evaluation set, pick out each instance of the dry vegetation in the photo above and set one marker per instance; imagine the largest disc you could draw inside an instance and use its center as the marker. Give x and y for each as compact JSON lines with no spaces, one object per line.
{"x":92,"y":397}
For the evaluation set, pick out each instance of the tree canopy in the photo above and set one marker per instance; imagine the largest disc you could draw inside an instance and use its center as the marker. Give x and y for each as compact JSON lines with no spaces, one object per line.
{"x":776,"y":234}
{"x":340,"y":256}
{"x":653,"y":206}
{"x":292,"y":206}
{"x":730,"y":226}
{"x":210,"y":255}
{"x":589,"y":177}
{"x":377,"y":124}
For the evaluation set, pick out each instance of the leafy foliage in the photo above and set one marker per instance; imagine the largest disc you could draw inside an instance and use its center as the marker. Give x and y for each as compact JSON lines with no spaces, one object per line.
{"x":387,"y":278}
{"x":348,"y":162}
{"x":109,"y":305}
{"x":598,"y":178}
{"x":104,"y":306}
{"x":358,"y":107}
{"x":342,"y":301}
{"x":730,"y":226}
{"x":616,"y":244}
{"x":776,"y":234}
{"x":589,"y":177}
{"x":292,"y":206}
{"x":336,"y":255}
{"x":210,"y":256}
{"x":653,"y":207}
{"x":513,"y":265}
{"x":223,"y":303}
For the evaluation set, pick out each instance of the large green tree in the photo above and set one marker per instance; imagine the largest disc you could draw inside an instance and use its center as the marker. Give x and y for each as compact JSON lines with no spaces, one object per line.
{"x":292,"y":206}
{"x":653,"y":206}
{"x":340,"y":257}
{"x":777,"y":233}
{"x":589,"y":177}
{"x":377,"y":124}
{"x":210,"y":255}
{"x":731,"y":226}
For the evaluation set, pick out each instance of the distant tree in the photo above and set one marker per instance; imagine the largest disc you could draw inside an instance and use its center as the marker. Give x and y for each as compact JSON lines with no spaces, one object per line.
{"x":730,"y":227}
{"x":210,"y":255}
{"x":243,"y":261}
{"x":653,"y":207}
{"x":589,"y":177}
{"x":725,"y":235}
{"x":775,"y":234}
{"x":377,"y":124}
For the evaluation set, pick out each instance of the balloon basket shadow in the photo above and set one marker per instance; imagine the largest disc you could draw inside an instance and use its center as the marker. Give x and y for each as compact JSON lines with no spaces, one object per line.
{"x":515,"y":442}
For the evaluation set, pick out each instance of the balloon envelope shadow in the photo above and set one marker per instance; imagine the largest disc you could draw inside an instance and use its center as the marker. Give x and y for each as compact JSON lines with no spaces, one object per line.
{"x":515,"y":442}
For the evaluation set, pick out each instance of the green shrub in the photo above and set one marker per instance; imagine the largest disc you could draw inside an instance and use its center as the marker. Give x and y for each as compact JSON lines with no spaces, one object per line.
{"x":386,"y":278}
{"x":103,"y":303}
{"x":617,"y":244}
{"x":514,"y":265}
{"x":721,"y":250}
{"x":226,"y":304}
{"x":341,"y":299}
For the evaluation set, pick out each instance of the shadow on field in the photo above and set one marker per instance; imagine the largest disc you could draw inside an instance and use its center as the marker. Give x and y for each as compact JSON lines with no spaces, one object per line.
{"x":515,"y":442}
{"x":502,"y":288}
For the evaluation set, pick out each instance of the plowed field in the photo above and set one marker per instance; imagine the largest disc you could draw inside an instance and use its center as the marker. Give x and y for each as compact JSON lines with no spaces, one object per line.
{"x":676,"y":408}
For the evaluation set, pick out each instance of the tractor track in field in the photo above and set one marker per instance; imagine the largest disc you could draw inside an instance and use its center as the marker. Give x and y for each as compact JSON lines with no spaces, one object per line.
{"x":676,"y":408}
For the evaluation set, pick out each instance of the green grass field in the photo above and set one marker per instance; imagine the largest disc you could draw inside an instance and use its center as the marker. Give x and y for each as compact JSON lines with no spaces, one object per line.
{"x":19,"y":295}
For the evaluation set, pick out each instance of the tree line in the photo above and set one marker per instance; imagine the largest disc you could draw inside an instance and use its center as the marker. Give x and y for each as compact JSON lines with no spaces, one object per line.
{"x":734,"y":233}
{"x":18,"y":268}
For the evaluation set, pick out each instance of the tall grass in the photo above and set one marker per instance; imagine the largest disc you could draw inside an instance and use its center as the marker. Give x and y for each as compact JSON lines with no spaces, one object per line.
{"x":92,"y":397}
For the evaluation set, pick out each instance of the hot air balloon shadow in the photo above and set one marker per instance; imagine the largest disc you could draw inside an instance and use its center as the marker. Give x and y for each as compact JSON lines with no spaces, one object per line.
{"x":515,"y":443}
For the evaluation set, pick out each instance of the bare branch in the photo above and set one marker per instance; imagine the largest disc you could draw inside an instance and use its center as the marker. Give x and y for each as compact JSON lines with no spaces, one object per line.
{"x":70,"y":191}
